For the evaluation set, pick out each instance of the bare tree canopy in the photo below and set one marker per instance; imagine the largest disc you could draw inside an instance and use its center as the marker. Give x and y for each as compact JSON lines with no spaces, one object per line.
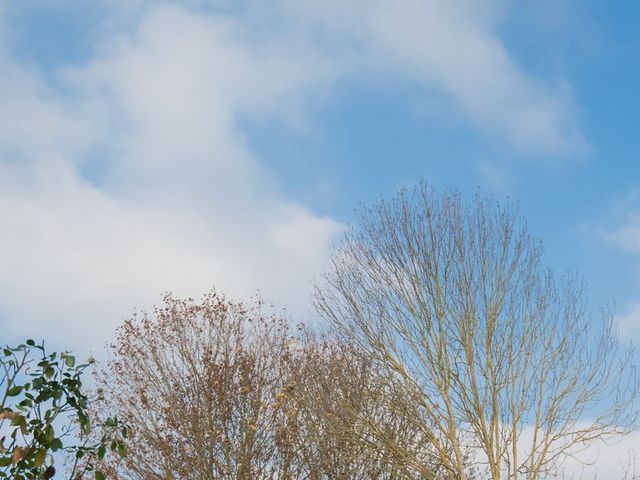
{"x":350,"y":425}
{"x":493,"y":350}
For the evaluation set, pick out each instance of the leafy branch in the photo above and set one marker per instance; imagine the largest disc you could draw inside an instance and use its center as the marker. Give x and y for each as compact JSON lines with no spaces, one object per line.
{"x":44,"y":414}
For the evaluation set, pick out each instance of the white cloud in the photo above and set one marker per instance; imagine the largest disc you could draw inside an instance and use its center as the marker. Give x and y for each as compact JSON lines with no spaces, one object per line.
{"x":129,"y":174}
{"x":603,"y":460}
{"x":629,"y":322}
{"x":452,"y":46}
{"x":182,"y":204}
{"x":446,"y":46}
{"x":627,"y":236}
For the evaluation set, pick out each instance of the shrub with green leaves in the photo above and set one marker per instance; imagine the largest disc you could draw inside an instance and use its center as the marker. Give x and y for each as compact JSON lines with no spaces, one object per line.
{"x":44,"y":416}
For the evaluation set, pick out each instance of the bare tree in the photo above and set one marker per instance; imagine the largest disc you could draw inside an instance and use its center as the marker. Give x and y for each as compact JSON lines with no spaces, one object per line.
{"x":349,"y":427}
{"x":494,"y":351}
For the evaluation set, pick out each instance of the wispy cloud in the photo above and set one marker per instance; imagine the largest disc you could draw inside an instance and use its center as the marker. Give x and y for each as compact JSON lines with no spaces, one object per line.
{"x":627,"y":235}
{"x":453,"y":47}
{"x":629,"y":322}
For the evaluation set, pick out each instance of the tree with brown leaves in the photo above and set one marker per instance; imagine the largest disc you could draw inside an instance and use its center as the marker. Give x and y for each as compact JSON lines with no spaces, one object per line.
{"x":216,"y":389}
{"x":203,"y":387}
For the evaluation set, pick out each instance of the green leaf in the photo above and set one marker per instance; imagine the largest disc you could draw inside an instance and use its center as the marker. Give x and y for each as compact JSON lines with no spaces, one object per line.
{"x":14,"y":391}
{"x":70,"y":361}
{"x":122,"y":451}
{"x":56,"y":444}
{"x":49,"y":434}
{"x":100,"y":475}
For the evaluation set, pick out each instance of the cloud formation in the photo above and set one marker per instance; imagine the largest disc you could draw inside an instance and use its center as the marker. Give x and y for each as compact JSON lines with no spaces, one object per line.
{"x":141,"y":180}
{"x":627,"y":236}
{"x":452,"y":47}
{"x":130,"y":174}
{"x":629,"y":322}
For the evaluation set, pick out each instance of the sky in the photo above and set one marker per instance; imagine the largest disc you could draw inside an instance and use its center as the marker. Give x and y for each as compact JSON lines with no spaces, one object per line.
{"x":148,"y":146}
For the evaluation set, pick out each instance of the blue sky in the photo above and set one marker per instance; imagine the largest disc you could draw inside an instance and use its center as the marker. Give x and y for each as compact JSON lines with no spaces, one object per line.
{"x":181,"y":145}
